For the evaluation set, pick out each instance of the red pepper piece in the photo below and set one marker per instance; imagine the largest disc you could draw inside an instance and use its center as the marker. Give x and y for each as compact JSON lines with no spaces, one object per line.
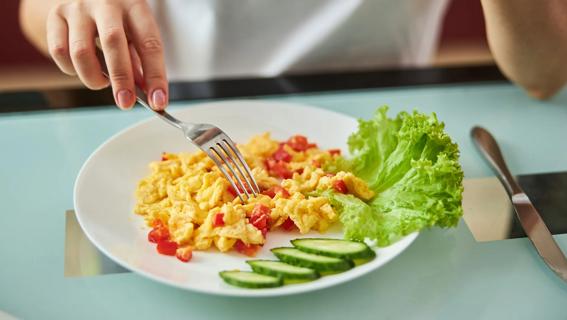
{"x":278,"y":169}
{"x":246,"y":249}
{"x":218,"y":220}
{"x":166,"y":247}
{"x":340,"y":186}
{"x":231,"y":190}
{"x":260,"y":218}
{"x":299,"y":143}
{"x":158,"y":233}
{"x":271,"y":192}
{"x":184,"y":254}
{"x":335,"y":152}
{"x":282,"y":155}
{"x":288,"y":224}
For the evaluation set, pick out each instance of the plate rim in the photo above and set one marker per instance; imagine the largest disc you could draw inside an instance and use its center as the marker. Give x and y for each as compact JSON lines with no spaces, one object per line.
{"x":237,"y":292}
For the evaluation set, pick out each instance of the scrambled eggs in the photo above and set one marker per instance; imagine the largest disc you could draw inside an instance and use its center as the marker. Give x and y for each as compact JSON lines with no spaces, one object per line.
{"x":194,"y":205}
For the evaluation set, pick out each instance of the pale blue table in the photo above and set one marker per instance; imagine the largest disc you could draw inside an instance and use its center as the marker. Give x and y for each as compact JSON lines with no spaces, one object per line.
{"x":445,"y":274}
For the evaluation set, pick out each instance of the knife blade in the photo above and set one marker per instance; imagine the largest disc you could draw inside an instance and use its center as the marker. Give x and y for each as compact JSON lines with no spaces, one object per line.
{"x":539,"y":235}
{"x":529,"y":218}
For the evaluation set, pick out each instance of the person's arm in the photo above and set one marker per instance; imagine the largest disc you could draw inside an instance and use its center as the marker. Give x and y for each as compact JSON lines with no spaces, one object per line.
{"x":528,"y":40}
{"x":129,"y":36}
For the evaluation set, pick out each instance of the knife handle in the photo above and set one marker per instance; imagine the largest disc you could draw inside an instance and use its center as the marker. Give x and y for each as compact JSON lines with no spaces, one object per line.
{"x":488,"y":147}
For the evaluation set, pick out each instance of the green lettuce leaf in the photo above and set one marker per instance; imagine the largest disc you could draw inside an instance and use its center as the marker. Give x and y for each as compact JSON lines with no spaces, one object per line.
{"x":413,"y":166}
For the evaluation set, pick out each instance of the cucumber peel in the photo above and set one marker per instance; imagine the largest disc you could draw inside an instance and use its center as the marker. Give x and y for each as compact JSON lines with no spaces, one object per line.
{"x":250,"y":280}
{"x":320,"y":263}
{"x":338,"y":248}
{"x":282,"y":269}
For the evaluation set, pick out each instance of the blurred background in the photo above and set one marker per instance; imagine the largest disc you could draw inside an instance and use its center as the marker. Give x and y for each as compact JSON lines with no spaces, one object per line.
{"x":463,"y":42}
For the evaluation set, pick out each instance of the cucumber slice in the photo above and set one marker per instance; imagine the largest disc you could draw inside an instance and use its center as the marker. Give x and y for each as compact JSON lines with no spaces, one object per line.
{"x":337,"y":248}
{"x":282,"y":269}
{"x":251,"y":280}
{"x":308,"y":260}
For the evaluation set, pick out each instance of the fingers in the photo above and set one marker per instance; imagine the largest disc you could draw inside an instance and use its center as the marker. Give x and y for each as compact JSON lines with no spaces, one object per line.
{"x":58,"y":42}
{"x":71,"y":31}
{"x":116,"y":54}
{"x":82,"y":32}
{"x":137,"y":67}
{"x":148,"y":44}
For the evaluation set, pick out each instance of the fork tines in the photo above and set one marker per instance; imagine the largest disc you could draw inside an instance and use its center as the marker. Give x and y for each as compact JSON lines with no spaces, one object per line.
{"x":226,"y":156}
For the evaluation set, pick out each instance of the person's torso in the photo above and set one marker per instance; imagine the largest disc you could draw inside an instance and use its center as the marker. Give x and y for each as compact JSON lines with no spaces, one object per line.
{"x":232,"y":38}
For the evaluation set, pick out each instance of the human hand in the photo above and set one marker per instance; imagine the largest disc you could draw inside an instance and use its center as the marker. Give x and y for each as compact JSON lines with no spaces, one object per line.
{"x":129,"y":39}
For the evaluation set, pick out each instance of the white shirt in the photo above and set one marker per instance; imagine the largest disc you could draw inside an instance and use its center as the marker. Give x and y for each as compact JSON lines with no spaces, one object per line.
{"x":234,"y":38}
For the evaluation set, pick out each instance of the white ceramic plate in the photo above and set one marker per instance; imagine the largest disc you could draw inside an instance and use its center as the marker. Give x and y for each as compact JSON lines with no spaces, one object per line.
{"x":104,"y":193}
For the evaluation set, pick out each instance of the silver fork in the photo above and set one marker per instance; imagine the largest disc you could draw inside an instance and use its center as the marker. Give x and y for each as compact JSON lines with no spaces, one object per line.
{"x":213,"y":141}
{"x":218,"y":146}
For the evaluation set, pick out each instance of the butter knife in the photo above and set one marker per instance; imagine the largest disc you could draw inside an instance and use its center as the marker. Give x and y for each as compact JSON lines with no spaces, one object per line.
{"x":529,"y":218}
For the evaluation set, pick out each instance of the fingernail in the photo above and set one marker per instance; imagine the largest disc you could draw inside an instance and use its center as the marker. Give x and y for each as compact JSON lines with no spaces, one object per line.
{"x":159,"y":99}
{"x":124,"y":98}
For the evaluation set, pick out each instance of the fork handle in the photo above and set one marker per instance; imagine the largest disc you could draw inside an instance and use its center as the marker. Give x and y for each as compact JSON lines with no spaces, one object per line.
{"x":162,"y":114}
{"x":488,"y":147}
